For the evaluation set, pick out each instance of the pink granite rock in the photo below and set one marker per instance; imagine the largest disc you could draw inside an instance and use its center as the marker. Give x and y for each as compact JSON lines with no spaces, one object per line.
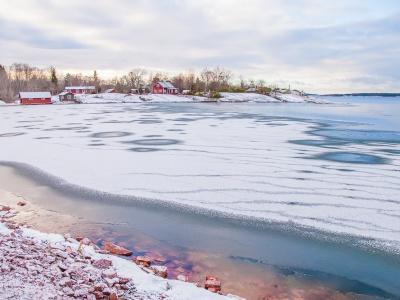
{"x":102,"y":263}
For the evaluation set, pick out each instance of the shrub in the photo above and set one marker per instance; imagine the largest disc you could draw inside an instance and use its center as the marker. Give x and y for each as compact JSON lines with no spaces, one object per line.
{"x":215,"y":95}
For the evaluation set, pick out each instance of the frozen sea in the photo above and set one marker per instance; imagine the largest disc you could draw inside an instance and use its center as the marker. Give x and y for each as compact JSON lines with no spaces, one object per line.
{"x":333,"y":168}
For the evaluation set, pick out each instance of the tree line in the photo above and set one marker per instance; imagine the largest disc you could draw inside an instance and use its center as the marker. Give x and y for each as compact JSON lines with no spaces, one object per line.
{"x":20,"y":77}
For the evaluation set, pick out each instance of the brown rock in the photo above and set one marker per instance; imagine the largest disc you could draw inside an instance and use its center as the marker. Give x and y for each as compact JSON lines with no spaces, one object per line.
{"x":213,"y":284}
{"x":107,"y":291}
{"x":21,"y":203}
{"x":12,"y":226}
{"x":113,"y":296}
{"x":161,"y":271}
{"x":144,"y":261}
{"x":102,"y":263}
{"x":66,"y":281}
{"x":5,"y":208}
{"x":115,"y":249}
{"x":99,"y":287}
{"x":124,"y":280}
{"x":98,"y":294}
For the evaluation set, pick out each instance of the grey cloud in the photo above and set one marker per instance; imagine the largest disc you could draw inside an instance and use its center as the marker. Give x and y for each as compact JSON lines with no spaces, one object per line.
{"x":35,"y":37}
{"x":177,"y":35}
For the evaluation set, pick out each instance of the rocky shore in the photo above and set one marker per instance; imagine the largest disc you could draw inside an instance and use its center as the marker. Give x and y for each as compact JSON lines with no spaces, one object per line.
{"x":36,"y":265}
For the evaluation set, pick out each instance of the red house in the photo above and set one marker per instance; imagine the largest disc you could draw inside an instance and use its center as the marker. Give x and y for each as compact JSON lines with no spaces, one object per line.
{"x":81,"y":89}
{"x":27,"y":98}
{"x":164,"y":87}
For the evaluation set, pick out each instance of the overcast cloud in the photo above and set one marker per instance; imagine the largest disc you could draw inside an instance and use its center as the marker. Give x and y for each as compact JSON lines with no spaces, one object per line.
{"x":318,"y":46}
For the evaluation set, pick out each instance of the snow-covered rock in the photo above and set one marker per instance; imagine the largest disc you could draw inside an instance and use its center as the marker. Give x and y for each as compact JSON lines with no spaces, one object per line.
{"x":30,"y":269}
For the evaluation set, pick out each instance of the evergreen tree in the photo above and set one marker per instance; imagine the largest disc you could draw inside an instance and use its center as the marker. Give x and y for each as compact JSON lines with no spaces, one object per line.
{"x":53,"y":77}
{"x":2,"y":69}
{"x":96,"y":81}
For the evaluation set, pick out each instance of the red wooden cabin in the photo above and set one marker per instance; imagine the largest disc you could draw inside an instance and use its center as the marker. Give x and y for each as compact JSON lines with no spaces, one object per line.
{"x":164,"y":87}
{"x":27,"y":98}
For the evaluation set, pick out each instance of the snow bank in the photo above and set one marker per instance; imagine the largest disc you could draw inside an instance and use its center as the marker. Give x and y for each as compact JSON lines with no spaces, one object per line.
{"x":247,"y":97}
{"x":124,"y":98}
{"x":296,"y":98}
{"x":157,"y":98}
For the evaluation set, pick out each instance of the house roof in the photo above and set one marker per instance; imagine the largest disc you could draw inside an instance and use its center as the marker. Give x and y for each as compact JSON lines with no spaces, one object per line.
{"x":65,"y":93}
{"x":166,"y":84}
{"x":89,"y":87}
{"x":34,"y":95}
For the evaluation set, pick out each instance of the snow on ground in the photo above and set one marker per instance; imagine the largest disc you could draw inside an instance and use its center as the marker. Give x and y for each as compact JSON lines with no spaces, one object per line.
{"x":156,"y":98}
{"x":2,"y":102}
{"x":30,"y":259}
{"x":295,"y":98}
{"x":247,"y":97}
{"x":124,"y":98}
{"x":231,"y":163}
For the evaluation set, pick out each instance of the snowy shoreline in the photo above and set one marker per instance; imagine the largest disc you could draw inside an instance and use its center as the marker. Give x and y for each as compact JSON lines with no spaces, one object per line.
{"x":37,"y":265}
{"x":225,"y":98}
{"x":114,"y":98}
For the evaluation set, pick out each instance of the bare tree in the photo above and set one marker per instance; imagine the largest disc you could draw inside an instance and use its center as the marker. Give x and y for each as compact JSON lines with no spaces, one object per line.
{"x":207,"y":76}
{"x":135,"y":78}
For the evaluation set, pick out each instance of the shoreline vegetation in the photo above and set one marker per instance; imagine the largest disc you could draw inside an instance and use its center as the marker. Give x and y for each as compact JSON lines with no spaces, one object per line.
{"x":210,"y":83}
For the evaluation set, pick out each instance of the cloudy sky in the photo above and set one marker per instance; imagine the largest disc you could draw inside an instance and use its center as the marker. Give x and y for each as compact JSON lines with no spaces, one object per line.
{"x":317,"y":45}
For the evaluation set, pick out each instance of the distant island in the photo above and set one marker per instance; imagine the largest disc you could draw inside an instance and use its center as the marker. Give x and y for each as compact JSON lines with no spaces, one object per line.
{"x":366,"y":95}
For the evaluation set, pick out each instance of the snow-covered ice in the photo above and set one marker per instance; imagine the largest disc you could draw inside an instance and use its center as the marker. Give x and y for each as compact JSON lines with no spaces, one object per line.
{"x":232,"y":163}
